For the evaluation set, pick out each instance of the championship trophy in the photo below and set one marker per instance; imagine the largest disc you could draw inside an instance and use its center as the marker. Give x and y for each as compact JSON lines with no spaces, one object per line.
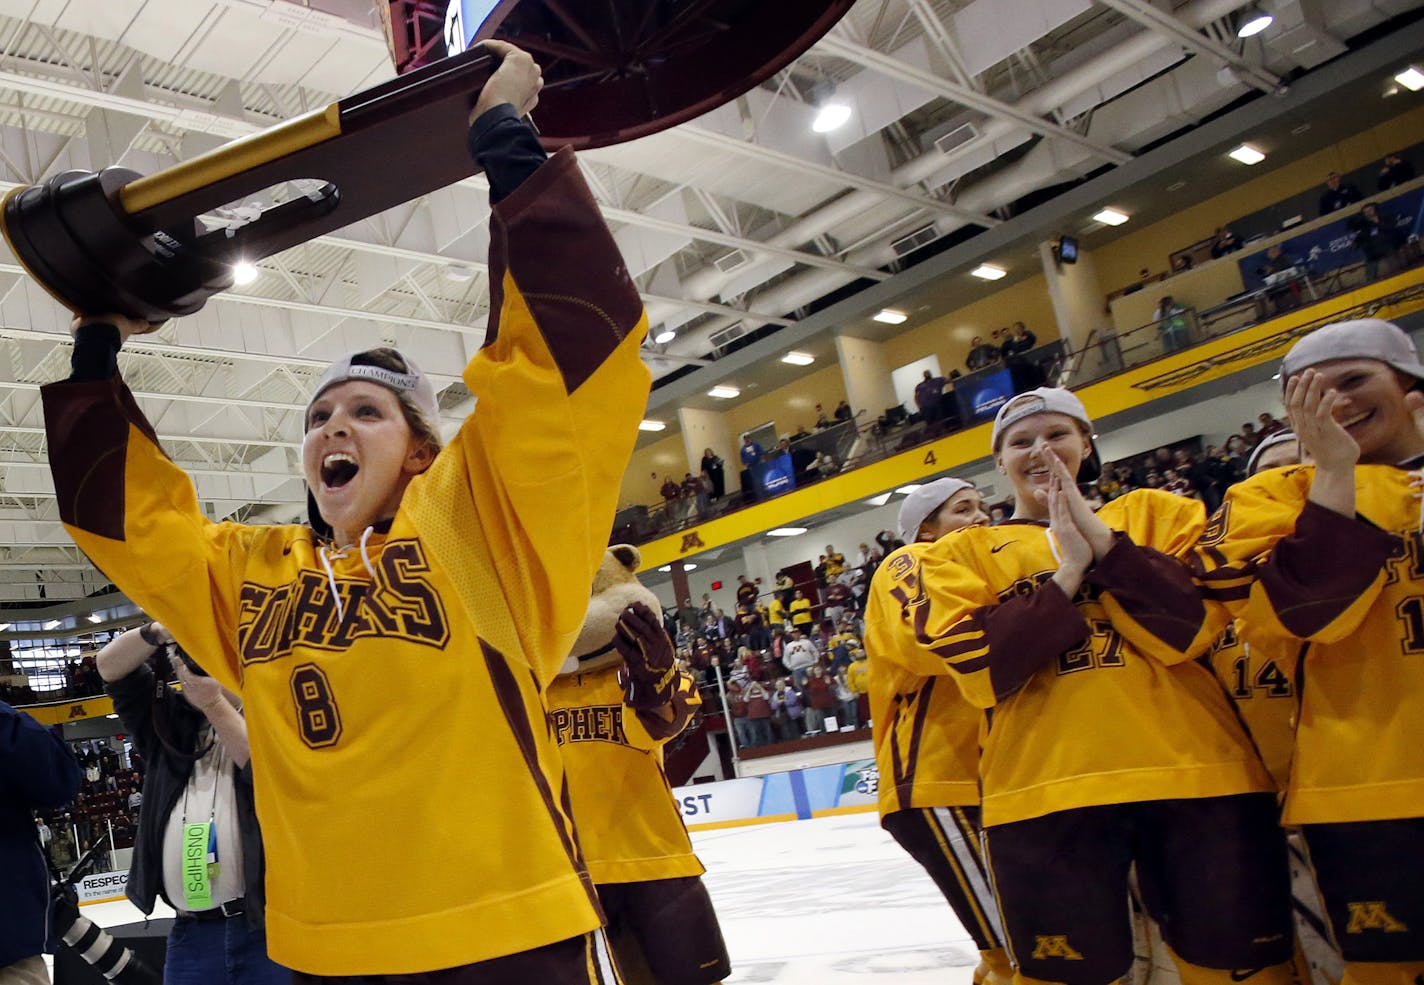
{"x":118,"y":241}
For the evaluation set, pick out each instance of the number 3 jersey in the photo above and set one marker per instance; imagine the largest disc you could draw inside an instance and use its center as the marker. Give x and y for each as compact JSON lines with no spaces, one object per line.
{"x":409,"y":788}
{"x":1094,"y":700}
{"x":1294,"y":573}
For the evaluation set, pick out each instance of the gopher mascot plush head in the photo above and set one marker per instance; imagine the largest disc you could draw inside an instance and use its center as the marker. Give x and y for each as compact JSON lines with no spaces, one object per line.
{"x":615,"y":588}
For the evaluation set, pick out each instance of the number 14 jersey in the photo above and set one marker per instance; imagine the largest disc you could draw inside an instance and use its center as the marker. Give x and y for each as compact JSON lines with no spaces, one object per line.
{"x":1353,"y":589}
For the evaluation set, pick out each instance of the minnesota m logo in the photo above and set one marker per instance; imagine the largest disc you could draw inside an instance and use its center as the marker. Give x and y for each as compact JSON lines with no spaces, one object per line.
{"x":1372,"y":916}
{"x":1055,"y":946}
{"x":690,"y":541}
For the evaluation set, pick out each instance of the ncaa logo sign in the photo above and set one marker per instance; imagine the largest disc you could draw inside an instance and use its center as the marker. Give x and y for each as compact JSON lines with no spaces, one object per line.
{"x":986,"y":400}
{"x":775,"y":478}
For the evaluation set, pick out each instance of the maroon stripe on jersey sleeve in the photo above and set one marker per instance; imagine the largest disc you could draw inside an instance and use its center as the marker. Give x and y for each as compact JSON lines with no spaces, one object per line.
{"x":87,"y":431}
{"x":551,"y":238}
{"x":1027,"y":632}
{"x":1320,"y":569}
{"x":1155,"y":590}
{"x":511,"y":703}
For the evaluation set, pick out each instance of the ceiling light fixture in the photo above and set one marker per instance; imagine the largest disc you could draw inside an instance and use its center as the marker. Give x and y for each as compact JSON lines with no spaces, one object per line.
{"x":1247,"y":154}
{"x":665,"y":336}
{"x":1111,"y":217}
{"x":798,"y":358}
{"x":1253,"y":21}
{"x":665,"y":568}
{"x":832,"y":116}
{"x":987,"y":271}
{"x":724,"y":392}
{"x":688,"y":566}
{"x":244,"y":273}
{"x":786,"y":532}
{"x":53,"y":624}
{"x":889,"y":316}
{"x":880,"y":500}
{"x":906,"y":490}
{"x":1411,"y":78}
{"x":651,"y":425}
{"x":94,"y":617}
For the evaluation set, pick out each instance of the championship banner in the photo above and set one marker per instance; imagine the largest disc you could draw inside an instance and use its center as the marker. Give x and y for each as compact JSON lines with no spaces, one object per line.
{"x":773,"y":475}
{"x":794,"y":795}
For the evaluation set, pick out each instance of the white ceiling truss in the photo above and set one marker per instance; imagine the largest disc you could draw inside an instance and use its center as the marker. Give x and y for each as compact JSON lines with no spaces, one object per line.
{"x":742,"y":216}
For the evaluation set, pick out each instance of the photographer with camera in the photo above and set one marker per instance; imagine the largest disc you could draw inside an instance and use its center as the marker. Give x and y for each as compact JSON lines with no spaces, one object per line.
{"x":37,"y":770}
{"x":198,"y":843}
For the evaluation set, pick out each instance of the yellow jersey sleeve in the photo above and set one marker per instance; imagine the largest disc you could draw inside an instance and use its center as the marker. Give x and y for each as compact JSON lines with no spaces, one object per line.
{"x":1148,"y":591}
{"x":1287,"y":568}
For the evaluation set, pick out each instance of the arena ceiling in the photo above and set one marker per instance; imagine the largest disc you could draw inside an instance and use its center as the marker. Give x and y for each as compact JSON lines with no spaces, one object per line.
{"x":743,"y":219}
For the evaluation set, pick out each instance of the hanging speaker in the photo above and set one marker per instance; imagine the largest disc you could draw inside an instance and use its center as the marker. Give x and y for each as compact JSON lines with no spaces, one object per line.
{"x":157,"y":247}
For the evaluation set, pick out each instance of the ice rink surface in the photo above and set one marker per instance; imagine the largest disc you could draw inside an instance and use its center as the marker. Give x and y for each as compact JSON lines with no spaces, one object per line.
{"x":829,"y":901}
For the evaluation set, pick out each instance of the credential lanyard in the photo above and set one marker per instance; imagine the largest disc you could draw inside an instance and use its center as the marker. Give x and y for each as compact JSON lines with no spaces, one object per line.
{"x":200,"y":848}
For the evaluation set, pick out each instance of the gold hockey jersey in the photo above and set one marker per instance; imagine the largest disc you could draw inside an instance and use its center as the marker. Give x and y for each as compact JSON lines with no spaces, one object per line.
{"x":629,"y":826}
{"x":1093,"y":700}
{"x":1259,"y":677}
{"x":926,"y":735}
{"x":1353,"y":589}
{"x":410,"y":792}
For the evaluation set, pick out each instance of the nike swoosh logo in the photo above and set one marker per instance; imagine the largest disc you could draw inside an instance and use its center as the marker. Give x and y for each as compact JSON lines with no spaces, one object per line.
{"x":1241,"y":976}
{"x":999,"y":547}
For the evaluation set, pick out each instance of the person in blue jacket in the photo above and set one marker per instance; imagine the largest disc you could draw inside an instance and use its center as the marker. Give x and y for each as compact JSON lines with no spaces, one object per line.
{"x":37,"y":770}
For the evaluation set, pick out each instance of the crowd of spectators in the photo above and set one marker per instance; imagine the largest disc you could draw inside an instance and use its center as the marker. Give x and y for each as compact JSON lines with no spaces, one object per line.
{"x":108,"y":801}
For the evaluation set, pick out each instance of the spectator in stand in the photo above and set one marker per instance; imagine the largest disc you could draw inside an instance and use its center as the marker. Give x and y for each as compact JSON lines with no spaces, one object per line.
{"x":671,"y":493}
{"x":751,"y":452}
{"x":1171,"y":318}
{"x":785,"y":588}
{"x":1225,"y":242}
{"x":835,"y":562}
{"x":888,"y":542}
{"x":37,"y":770}
{"x":799,"y":655}
{"x":861,"y":557}
{"x":715,"y":473}
{"x":847,"y":702}
{"x":1269,"y":426}
{"x":837,"y":598}
{"x":1178,"y":484}
{"x":723,"y":625}
{"x":1249,"y":435}
{"x":746,"y":591}
{"x":1284,"y":296}
{"x":787,"y":711}
{"x":824,"y":465}
{"x":1338,"y":194}
{"x":758,"y":700}
{"x":1181,"y":262}
{"x":843,"y":412}
{"x":929,"y":393}
{"x":1143,"y":277}
{"x":982,"y":355}
{"x":801,"y":617}
{"x":1019,"y":341}
{"x":1237,"y":452}
{"x":694,"y":495}
{"x":737,"y":705}
{"x":820,"y":570}
{"x":842,"y":643}
{"x":1109,"y":488}
{"x":1394,"y":171}
{"x":820,"y":699}
{"x":1378,"y":237}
